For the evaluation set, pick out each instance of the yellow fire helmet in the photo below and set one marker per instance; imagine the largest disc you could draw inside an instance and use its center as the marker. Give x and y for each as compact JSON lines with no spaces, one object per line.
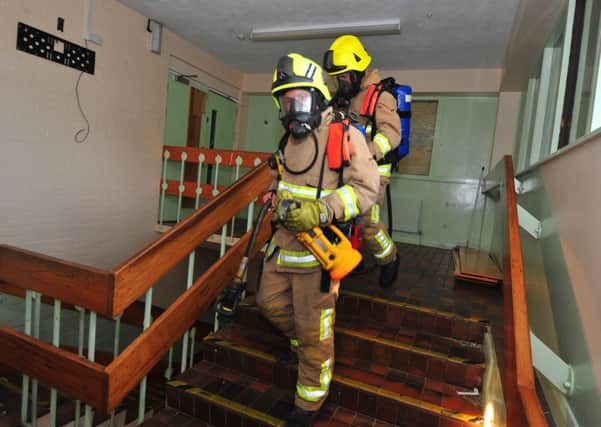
{"x":346,"y":53}
{"x":296,"y":71}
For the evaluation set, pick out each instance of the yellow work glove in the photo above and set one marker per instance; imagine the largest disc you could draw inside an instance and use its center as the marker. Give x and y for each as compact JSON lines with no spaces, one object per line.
{"x":303,"y":215}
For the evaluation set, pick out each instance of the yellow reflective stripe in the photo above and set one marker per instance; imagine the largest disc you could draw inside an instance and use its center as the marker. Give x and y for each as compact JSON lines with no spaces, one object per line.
{"x":385,"y":243}
{"x":270,"y":248}
{"x":384,"y":170}
{"x":301,"y":191}
{"x":383,"y":143}
{"x":296,"y":259}
{"x":325,"y":324}
{"x":368,"y":129}
{"x":314,"y":394}
{"x":375,"y":214}
{"x":293,"y":342}
{"x":349,"y":200}
{"x":326,"y":373}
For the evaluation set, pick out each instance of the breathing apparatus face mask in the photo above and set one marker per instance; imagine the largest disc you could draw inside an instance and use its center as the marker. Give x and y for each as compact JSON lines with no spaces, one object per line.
{"x":346,"y":86}
{"x":300,"y":111}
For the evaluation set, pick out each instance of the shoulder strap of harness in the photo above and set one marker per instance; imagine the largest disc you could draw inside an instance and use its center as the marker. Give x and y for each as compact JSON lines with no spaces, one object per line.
{"x":368,"y":109}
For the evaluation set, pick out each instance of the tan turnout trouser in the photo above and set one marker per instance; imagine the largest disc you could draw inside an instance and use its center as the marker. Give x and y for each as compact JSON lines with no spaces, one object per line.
{"x":376,"y":239}
{"x":294,"y":304}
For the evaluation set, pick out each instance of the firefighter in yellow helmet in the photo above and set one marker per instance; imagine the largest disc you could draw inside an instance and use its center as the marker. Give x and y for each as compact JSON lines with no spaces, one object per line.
{"x":291,"y":293}
{"x":347,"y":62}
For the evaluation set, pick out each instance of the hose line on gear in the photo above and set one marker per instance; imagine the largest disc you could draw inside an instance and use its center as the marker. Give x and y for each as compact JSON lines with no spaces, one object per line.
{"x":228,"y":302}
{"x":282,"y":146}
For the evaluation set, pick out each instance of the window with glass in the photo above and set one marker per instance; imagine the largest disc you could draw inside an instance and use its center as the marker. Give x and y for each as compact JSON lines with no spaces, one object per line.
{"x":587,"y":103}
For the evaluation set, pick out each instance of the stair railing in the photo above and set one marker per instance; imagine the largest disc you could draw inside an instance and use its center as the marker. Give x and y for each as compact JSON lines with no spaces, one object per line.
{"x":523,"y":406}
{"x":109,"y":294}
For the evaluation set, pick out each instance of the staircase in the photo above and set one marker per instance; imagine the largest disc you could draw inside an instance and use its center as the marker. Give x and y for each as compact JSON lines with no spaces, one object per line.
{"x":396,"y":364}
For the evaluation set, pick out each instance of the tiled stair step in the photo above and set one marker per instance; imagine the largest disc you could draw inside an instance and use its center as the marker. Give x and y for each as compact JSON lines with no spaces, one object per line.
{"x":374,"y":346}
{"x":235,"y":340}
{"x":223,"y":397}
{"x":356,"y":389}
{"x":248,"y":314}
{"x":397,"y":315}
{"x":172,"y":417}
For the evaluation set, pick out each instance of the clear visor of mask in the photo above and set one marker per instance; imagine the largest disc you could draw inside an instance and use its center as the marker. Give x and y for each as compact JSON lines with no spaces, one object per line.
{"x":295,"y":101}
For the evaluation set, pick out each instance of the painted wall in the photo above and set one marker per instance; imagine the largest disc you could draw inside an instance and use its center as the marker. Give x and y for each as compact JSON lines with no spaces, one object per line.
{"x":562,"y":270}
{"x":176,"y":133}
{"x":94,"y":202}
{"x":264,"y":128}
{"x":463,"y":141}
{"x":533,"y":22}
{"x":423,"y":81}
{"x":442,"y":203}
{"x":506,"y":127}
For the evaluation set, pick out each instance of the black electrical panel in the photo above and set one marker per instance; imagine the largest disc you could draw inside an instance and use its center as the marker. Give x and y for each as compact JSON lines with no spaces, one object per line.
{"x":44,"y":45}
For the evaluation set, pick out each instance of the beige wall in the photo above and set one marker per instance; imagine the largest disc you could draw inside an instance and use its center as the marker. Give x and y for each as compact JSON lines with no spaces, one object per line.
{"x":94,"y":202}
{"x":532,"y":26}
{"x":572,"y":183}
{"x":423,"y":81}
{"x":506,"y":127}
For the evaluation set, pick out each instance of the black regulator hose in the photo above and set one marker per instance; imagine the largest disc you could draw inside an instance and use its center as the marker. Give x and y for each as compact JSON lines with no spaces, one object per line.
{"x":230,"y":298}
{"x":389,"y":203}
{"x":282,"y":146}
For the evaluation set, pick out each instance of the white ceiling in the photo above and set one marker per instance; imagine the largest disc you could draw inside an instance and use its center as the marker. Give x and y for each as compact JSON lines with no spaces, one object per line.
{"x":434,"y":33}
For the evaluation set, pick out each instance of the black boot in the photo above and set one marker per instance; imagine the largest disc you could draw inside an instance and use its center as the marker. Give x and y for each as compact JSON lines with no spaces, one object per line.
{"x":285,"y":356}
{"x":389,"y":273}
{"x":300,"y":418}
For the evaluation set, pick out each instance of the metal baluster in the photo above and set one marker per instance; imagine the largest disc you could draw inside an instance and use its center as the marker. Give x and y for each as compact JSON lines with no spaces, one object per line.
{"x":56,"y":336}
{"x":189,"y":281}
{"x":80,"y":339}
{"x":163,"y":187}
{"x":251,"y":206}
{"x":146,"y":324}
{"x":201,"y":159}
{"x":249,"y":225}
{"x":115,"y":353}
{"x":25,"y":383}
{"x":89,"y":416}
{"x":36,"y":334}
{"x":191,"y":261}
{"x":236,"y":176}
{"x":181,"y":187}
{"x":218,"y":160}
{"x":169,"y":370}
{"x":192,"y":341}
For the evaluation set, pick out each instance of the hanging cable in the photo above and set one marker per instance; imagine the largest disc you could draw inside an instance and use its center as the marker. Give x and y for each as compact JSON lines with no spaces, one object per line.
{"x":82,"y":134}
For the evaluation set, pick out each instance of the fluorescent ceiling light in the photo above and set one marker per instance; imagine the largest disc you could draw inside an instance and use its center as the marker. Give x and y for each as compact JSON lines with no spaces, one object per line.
{"x":374,"y":28}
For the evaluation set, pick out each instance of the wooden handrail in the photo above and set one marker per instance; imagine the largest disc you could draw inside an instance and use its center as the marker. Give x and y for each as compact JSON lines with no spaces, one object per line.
{"x":69,"y":373}
{"x":132,"y":365}
{"x":70,"y":282}
{"x":111,"y":292}
{"x":143,"y":270}
{"x":519,"y":387}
